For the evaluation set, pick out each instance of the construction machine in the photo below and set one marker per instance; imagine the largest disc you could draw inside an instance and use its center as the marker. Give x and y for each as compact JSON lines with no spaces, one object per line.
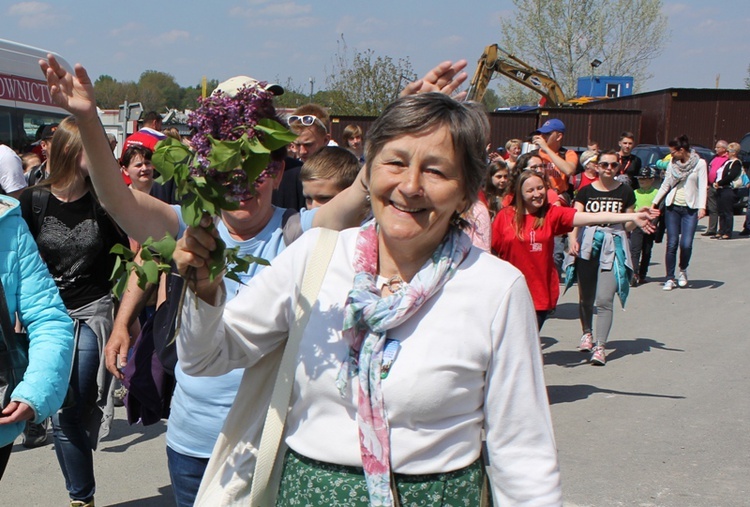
{"x":497,"y":60}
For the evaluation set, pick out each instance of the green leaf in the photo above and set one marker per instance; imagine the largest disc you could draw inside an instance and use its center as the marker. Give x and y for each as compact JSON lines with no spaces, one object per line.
{"x":122,"y":251}
{"x":254,"y":165}
{"x":255,"y":146}
{"x":191,"y":210}
{"x":276,"y":135}
{"x":119,"y":288}
{"x":164,"y":248}
{"x":151,"y":270}
{"x":225,"y":156}
{"x":171,"y":157}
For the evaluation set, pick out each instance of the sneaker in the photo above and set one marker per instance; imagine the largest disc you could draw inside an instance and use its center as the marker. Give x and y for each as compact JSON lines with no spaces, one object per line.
{"x":119,"y":396}
{"x":587,"y":343}
{"x":598,"y":357}
{"x":35,"y":435}
{"x":635,"y":281}
{"x":682,"y":279}
{"x":79,"y":503}
{"x":669,"y":285}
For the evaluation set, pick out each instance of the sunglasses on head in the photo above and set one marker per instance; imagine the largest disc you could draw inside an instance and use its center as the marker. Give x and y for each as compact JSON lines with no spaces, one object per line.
{"x":307,"y":120}
{"x":613,"y":165}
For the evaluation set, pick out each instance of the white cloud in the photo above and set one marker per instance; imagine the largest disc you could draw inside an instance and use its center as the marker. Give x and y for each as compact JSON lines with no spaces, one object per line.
{"x":261,"y":13}
{"x":36,"y":15}
{"x":172,"y":37}
{"x":127,"y":29}
{"x":257,"y":8}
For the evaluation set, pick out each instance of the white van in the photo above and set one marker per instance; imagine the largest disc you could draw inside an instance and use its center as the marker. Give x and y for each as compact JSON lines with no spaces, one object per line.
{"x":25,"y":104}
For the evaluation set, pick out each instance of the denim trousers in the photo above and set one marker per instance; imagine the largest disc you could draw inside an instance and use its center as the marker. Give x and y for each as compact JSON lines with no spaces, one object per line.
{"x":681,"y":223}
{"x":186,"y":473}
{"x":72,"y":443}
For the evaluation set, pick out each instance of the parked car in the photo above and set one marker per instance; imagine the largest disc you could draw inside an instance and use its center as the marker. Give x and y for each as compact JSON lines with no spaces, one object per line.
{"x":650,"y":153}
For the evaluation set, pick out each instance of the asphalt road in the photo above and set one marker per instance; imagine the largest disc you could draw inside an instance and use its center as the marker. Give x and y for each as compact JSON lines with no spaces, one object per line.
{"x":663,"y":424}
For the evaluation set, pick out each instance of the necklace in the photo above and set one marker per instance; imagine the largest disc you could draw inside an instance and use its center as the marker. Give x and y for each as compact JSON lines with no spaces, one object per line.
{"x":394,"y":283}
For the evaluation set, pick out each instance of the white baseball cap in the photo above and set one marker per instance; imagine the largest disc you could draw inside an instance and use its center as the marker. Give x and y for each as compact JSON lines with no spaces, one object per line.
{"x":232,"y":85}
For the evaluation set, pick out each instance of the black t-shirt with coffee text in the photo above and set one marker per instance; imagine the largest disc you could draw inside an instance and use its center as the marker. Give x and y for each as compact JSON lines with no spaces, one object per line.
{"x":617,"y":200}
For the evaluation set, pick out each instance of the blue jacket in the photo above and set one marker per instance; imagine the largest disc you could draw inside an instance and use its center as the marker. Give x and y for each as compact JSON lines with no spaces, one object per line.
{"x":31,"y":291}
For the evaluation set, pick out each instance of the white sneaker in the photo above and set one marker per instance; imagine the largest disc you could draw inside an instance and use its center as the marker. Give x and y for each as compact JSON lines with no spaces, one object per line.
{"x":682,"y":279}
{"x":669,"y":285}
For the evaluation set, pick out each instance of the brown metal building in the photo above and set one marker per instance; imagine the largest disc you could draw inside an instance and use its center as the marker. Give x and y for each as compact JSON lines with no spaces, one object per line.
{"x":704,"y":115}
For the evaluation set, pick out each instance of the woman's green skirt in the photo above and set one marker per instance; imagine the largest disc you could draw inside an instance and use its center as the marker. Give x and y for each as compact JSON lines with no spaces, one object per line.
{"x":309,"y":483}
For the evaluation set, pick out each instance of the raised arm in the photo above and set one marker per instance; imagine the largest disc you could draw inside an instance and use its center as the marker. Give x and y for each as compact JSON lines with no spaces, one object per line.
{"x":139,"y":214}
{"x":445,"y":78}
{"x":641,"y":219}
{"x":347,"y":209}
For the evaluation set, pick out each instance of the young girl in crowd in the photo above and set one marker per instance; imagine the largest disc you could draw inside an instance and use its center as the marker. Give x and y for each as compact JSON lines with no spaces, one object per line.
{"x":496,"y":186}
{"x":74,"y":236}
{"x":523,"y":234}
{"x":602,"y":255}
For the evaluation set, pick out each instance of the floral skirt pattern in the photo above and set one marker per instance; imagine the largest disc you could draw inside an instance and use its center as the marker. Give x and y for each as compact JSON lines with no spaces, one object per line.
{"x":309,"y":483}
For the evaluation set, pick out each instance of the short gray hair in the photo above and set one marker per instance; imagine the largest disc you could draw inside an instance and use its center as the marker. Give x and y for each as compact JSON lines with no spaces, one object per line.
{"x":414,"y":114}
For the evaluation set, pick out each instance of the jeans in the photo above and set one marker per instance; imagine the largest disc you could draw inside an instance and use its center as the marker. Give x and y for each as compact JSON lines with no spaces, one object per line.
{"x":681,"y":222}
{"x":72,"y":443}
{"x":186,"y":473}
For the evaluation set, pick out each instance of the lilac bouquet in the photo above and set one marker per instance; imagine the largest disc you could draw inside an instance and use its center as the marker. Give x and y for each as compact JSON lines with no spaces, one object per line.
{"x":235,"y":135}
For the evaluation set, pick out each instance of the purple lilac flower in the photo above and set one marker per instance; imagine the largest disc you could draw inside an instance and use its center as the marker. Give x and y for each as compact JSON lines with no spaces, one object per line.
{"x":227,"y":118}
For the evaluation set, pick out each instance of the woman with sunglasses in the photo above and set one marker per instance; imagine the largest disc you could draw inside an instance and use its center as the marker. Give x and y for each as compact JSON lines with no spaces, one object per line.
{"x":523,"y":234}
{"x":684,"y":193}
{"x":600,"y":256}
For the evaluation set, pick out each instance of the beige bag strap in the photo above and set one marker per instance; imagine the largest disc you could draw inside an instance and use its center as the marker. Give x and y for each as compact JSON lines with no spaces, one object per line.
{"x":262,"y":492}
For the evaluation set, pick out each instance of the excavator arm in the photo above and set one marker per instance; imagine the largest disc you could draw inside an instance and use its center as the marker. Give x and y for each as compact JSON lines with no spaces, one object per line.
{"x":494,"y":59}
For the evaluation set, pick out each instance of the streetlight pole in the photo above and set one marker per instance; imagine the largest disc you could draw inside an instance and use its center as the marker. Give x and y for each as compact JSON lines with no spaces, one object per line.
{"x":312,"y":84}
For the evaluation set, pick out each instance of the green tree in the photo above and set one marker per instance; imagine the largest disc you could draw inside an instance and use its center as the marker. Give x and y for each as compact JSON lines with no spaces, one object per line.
{"x":158,"y":90}
{"x":491,"y":100}
{"x":294,"y":95}
{"x":563,"y":37}
{"x":747,"y":79}
{"x":365,"y":81}
{"x":110,"y":93}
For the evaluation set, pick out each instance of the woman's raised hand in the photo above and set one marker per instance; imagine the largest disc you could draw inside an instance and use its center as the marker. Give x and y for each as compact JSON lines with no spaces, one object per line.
{"x":444,"y":78}
{"x":192,"y":256}
{"x":73,"y":92}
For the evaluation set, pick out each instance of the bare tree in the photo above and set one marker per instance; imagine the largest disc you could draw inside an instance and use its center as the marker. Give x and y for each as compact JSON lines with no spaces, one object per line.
{"x":563,"y":37}
{"x":365,"y":83}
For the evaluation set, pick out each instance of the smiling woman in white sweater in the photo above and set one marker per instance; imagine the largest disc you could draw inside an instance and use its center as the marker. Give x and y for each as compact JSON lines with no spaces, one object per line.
{"x":407,"y":355}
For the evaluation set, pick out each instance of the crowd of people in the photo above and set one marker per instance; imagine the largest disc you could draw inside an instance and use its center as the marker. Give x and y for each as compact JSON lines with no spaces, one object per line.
{"x":427,"y":213}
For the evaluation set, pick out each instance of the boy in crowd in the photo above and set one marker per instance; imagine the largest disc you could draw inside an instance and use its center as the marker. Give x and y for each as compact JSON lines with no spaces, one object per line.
{"x":641,"y":243}
{"x":326,"y":173}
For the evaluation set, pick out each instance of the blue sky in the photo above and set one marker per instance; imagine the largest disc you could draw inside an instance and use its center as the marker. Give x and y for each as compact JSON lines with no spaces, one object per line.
{"x":276,"y":40}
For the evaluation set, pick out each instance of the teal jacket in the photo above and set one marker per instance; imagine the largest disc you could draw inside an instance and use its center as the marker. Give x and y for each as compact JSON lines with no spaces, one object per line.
{"x":32,"y":295}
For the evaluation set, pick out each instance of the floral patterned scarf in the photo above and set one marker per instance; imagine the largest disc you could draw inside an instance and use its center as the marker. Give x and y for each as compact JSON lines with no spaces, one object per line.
{"x":367,"y":319}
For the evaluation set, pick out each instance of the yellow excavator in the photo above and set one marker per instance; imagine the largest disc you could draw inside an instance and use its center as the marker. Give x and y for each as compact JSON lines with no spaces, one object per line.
{"x":497,"y":60}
